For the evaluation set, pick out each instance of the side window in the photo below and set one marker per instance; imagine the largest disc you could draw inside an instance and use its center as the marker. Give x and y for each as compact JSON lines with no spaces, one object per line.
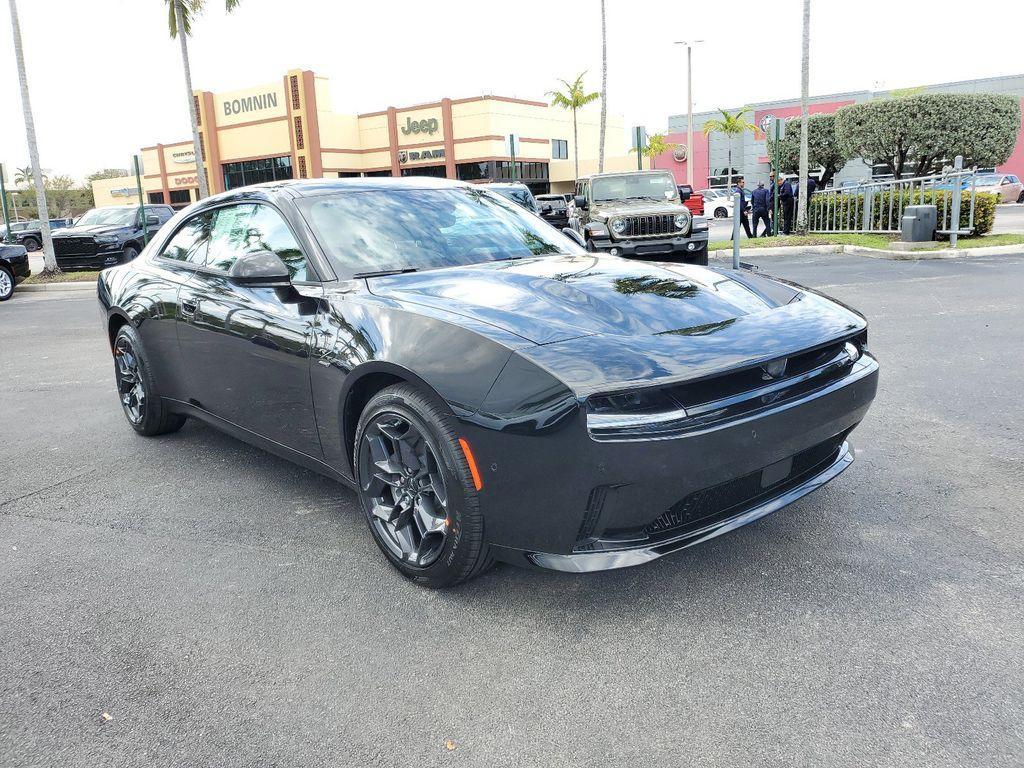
{"x":228,"y":236}
{"x":190,"y":241}
{"x":268,"y":231}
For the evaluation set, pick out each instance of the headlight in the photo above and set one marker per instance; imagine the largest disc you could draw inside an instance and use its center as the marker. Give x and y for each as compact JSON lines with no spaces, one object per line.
{"x":106,"y":238}
{"x":682,"y":220}
{"x":618,"y":226}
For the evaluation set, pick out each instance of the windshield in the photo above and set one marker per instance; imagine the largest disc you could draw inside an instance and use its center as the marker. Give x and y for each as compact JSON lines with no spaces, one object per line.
{"x":113,"y":217}
{"x":987,"y":181}
{"x":635,"y":187}
{"x":396,"y":229}
{"x":516,"y":195}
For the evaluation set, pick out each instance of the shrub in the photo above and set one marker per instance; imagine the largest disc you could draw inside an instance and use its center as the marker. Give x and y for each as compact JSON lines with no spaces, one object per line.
{"x":845,"y":212}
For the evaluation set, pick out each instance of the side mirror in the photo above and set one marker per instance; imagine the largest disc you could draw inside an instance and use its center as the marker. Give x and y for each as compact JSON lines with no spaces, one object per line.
{"x":152,"y":221}
{"x":575,"y":236}
{"x":580,"y":202}
{"x":262,"y":269}
{"x":685,"y":192}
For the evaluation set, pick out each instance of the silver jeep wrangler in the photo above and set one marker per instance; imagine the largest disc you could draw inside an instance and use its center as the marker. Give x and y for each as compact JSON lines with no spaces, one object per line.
{"x":638,"y":214}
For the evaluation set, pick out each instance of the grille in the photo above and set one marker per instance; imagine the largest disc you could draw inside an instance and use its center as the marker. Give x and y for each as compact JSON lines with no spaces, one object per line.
{"x":649,"y":226}
{"x":74,"y":246}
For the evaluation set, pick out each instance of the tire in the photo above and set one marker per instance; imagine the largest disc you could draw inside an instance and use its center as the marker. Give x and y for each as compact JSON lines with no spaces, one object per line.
{"x":721,"y":213}
{"x":31,"y":244}
{"x":697,"y":257}
{"x":422,"y":506}
{"x":6,"y":283}
{"x":1020,"y":198}
{"x":591,"y":248}
{"x":145,"y":410}
{"x":130,"y":252}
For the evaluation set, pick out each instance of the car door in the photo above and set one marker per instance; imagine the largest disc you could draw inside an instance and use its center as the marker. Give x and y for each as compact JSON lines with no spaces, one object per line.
{"x":247,"y":348}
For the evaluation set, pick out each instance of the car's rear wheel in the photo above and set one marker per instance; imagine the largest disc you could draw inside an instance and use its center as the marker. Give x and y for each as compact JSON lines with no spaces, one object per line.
{"x":1020,"y":198}
{"x":137,"y":389}
{"x":31,"y":244}
{"x":417,"y":490}
{"x":721,"y":213}
{"x":6,"y":283}
{"x":130,"y":252}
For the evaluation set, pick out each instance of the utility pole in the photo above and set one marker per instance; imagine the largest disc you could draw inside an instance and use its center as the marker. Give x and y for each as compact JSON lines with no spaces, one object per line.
{"x":805,"y":69}
{"x":689,"y":107}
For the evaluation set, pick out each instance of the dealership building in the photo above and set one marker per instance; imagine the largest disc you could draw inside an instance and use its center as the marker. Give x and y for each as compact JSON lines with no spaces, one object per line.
{"x":710,"y":154}
{"x":286,"y":129}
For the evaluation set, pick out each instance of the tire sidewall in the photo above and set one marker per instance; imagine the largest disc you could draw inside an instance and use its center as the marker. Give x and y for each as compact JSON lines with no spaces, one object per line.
{"x":151,"y":417}
{"x":452,"y":562}
{"x":31,"y":244}
{"x":130,"y":253}
{"x":10,"y":276}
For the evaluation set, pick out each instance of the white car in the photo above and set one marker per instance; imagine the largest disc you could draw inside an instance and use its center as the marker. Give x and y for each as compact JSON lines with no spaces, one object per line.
{"x":1007,"y":186}
{"x":717,"y":203}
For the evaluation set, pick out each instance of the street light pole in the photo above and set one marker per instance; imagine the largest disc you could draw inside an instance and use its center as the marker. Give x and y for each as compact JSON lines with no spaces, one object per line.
{"x":689,"y":107}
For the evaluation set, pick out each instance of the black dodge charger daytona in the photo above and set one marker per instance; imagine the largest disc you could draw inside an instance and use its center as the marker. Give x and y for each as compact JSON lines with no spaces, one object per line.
{"x":490,"y":390}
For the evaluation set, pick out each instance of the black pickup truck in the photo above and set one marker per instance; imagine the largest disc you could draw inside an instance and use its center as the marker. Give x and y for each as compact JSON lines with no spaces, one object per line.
{"x":30,"y":233}
{"x":104,"y":237}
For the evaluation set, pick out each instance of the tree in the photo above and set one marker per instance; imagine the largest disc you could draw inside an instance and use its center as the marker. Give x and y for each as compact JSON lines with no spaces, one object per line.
{"x":573,"y":97}
{"x":805,"y":72}
{"x":106,"y":173}
{"x":49,"y":262}
{"x":62,"y":194}
{"x":604,"y":91}
{"x":732,"y":125}
{"x":823,"y":148}
{"x":180,"y":15}
{"x":920,"y":134}
{"x":656,"y":145}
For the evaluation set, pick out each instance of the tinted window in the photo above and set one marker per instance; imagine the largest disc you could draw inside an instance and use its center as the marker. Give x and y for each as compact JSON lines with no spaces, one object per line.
{"x":229,"y":236}
{"x":269,"y":232}
{"x":426,"y":229}
{"x":189,"y":243}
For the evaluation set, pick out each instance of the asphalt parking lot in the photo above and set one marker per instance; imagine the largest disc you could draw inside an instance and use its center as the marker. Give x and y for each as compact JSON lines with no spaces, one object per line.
{"x":225,"y":608}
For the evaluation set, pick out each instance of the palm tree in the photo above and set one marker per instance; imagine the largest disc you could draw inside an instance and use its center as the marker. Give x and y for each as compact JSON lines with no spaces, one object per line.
{"x":49,"y":262}
{"x":732,"y":125}
{"x":805,"y":69}
{"x":655,"y":146}
{"x":604,"y":90}
{"x":180,"y":14}
{"x":573,"y":97}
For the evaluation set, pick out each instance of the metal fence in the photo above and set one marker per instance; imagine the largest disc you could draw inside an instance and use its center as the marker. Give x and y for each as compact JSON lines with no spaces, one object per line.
{"x":878,"y":206}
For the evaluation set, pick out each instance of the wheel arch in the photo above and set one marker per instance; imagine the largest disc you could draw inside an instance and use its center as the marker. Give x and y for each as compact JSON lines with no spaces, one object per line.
{"x":115,"y":322}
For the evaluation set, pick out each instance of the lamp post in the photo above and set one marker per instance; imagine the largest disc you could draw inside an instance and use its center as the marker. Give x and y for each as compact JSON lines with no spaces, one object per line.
{"x":689,"y":107}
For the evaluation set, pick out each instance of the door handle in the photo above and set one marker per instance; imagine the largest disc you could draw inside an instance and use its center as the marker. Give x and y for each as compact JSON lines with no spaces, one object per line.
{"x":189,"y":308}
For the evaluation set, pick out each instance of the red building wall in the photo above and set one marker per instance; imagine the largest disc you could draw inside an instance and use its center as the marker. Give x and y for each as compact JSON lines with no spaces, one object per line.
{"x":1015,"y":163}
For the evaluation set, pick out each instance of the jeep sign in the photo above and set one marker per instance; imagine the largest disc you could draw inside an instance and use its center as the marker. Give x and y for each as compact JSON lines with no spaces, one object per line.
{"x":420,"y":126}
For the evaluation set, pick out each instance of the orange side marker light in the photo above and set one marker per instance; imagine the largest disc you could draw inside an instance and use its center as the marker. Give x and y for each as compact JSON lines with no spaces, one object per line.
{"x":477,"y":482}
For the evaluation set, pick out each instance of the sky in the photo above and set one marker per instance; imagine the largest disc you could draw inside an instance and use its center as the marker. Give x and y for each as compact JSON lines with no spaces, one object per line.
{"x":106,"y":79}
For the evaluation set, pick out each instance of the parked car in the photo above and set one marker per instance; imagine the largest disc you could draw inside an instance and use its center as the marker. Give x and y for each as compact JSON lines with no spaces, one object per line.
{"x":13,"y":268}
{"x":638,"y":214}
{"x":30,"y":233}
{"x":692,"y":200}
{"x":106,"y":236}
{"x":517,"y":193}
{"x":1006,"y":185}
{"x":717,"y":203}
{"x":554,"y":210}
{"x":445,"y":355}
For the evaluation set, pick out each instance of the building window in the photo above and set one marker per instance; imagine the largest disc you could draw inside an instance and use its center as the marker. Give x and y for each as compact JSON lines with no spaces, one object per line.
{"x":559,"y":149}
{"x":299,"y":143}
{"x":295,"y":91}
{"x":257,"y":171}
{"x":474,"y":171}
{"x":377,"y":173}
{"x":156,"y":197}
{"x":523,"y":171}
{"x":348,"y":174}
{"x":180,"y":198}
{"x":437,"y":171}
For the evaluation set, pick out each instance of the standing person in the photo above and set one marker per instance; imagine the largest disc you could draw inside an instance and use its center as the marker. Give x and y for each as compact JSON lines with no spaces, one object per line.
{"x":759,"y":202}
{"x":784,"y":190}
{"x":742,"y":213}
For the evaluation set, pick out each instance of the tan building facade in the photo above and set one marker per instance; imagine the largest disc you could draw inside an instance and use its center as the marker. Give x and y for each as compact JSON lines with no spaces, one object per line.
{"x":287,"y":129}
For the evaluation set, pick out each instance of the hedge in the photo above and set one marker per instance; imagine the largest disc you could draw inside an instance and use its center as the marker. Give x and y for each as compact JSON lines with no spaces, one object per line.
{"x":848,"y":209}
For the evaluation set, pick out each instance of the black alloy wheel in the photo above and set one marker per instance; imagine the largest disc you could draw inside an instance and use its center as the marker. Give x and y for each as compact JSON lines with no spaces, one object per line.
{"x":31,"y":244}
{"x":418,"y":493}
{"x":130,"y":252}
{"x":407,"y":492}
{"x":721,"y":213}
{"x":1020,"y":198}
{"x":130,"y":385}
{"x":6,"y":283}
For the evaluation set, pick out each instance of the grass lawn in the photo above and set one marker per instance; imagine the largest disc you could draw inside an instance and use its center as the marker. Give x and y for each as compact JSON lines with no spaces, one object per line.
{"x":865,"y":241}
{"x":87,"y":276}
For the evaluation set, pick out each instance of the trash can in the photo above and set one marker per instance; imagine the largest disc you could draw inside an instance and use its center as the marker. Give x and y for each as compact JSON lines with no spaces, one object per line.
{"x":919,"y":223}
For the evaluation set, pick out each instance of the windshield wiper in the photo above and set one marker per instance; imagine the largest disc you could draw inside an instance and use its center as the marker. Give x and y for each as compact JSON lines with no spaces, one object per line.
{"x":384,"y":272}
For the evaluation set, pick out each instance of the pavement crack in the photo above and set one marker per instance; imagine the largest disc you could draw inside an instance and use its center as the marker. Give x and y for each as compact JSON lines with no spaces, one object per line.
{"x":45,"y":488}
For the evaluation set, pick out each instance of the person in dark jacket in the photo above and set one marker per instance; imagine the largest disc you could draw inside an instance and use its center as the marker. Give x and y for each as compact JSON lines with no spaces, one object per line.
{"x":759,"y":200}
{"x":741,"y":189}
{"x":784,"y":191}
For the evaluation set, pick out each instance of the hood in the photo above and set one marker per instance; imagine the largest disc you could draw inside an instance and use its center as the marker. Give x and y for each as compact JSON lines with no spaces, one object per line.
{"x":90,"y":229}
{"x":555,"y":299}
{"x":636,"y":208}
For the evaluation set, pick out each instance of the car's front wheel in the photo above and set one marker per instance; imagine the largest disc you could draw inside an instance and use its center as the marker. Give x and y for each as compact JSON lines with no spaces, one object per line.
{"x":6,"y":283}
{"x":130,"y":252}
{"x":137,"y":389}
{"x":31,"y":244}
{"x":417,"y":489}
{"x":1020,"y":198}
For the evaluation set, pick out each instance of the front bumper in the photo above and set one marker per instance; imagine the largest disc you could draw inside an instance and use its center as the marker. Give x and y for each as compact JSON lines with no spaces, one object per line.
{"x":19,"y":266}
{"x":646,"y":248}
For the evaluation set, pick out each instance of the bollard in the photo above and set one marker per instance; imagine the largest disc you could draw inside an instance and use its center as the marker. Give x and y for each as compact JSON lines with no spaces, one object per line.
{"x":737,"y":211}
{"x":954,"y":224}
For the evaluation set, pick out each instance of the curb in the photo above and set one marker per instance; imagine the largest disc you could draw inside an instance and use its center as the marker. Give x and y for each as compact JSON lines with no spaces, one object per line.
{"x":70,"y":287}
{"x":874,"y":253}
